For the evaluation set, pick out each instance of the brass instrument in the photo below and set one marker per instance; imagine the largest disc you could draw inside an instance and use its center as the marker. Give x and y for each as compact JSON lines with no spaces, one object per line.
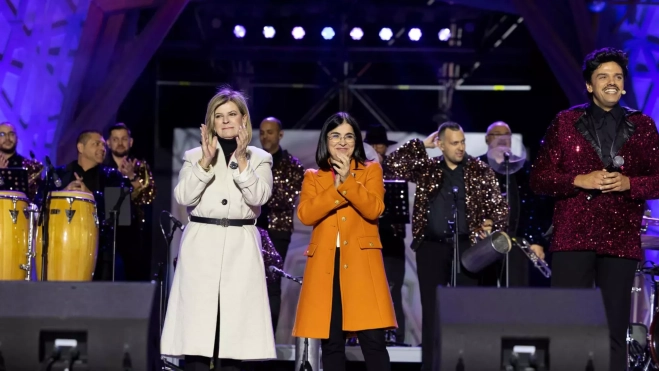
{"x":540,"y":264}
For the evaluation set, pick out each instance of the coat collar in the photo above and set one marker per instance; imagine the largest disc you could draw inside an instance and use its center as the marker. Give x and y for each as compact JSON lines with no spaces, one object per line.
{"x":623,"y":132}
{"x":326,"y":177}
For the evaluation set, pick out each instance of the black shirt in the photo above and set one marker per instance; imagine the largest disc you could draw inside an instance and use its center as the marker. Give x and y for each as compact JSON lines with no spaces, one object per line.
{"x":89,"y":177}
{"x":441,"y":207}
{"x":605,"y":125}
{"x":15,"y":161}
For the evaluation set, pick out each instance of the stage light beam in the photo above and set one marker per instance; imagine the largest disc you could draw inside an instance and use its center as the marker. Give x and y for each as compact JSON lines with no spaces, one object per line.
{"x":327,"y":33}
{"x":386,"y":34}
{"x":414,"y":34}
{"x":269,"y":32}
{"x":298,"y":33}
{"x":356,"y":33}
{"x":239,"y":31}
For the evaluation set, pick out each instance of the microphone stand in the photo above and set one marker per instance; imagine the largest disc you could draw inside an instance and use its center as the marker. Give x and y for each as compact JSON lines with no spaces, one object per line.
{"x":164,"y":277}
{"x":44,"y":216}
{"x":114,"y":214}
{"x":506,"y":162}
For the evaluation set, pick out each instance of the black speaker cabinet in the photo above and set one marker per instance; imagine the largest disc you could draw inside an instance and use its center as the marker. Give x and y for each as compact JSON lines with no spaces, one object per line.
{"x":487,"y":329}
{"x":112,"y":325}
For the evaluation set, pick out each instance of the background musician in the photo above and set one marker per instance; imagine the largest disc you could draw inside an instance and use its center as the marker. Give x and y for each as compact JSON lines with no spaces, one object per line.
{"x":9,"y":158}
{"x":597,"y":241}
{"x":88,"y":174}
{"x":133,"y":242}
{"x":530,"y":214}
{"x":433,"y":213}
{"x":277,"y":215}
{"x":392,"y":235}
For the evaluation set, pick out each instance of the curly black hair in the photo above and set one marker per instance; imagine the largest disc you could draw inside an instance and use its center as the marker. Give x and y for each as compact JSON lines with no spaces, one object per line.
{"x":604,"y":55}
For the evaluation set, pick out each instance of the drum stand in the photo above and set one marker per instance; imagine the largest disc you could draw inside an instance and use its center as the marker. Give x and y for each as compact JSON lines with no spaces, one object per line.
{"x":506,"y":161}
{"x":455,"y":269}
{"x":44,"y":216}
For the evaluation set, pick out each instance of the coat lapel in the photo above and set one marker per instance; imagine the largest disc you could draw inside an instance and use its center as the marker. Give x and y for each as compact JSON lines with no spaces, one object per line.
{"x":623,"y":134}
{"x":583,"y":128}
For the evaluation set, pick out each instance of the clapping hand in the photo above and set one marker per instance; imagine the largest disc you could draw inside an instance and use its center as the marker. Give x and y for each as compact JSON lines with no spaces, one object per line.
{"x":77,"y":185}
{"x":127,"y":167}
{"x":209,"y":148}
{"x":341,"y":167}
{"x":4,"y":162}
{"x":242,"y":141}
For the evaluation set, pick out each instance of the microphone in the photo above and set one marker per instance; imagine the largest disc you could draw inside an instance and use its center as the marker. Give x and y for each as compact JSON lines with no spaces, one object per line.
{"x":56,"y":179}
{"x":455,"y":193}
{"x":615,"y":165}
{"x":176,"y":222}
{"x":280,"y":272}
{"x":506,"y":156}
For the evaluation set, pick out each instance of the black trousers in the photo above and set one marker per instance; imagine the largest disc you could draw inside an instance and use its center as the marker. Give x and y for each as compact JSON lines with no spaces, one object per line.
{"x":281,"y":240}
{"x":615,"y":278}
{"x":433,"y":265}
{"x":393,"y":254}
{"x":199,"y":363}
{"x":372,"y":342}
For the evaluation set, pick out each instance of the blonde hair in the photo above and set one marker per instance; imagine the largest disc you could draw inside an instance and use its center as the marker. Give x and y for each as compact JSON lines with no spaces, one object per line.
{"x":226,"y":94}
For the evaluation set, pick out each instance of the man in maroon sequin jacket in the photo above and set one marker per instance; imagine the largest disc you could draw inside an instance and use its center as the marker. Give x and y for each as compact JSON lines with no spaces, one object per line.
{"x":598,"y":241}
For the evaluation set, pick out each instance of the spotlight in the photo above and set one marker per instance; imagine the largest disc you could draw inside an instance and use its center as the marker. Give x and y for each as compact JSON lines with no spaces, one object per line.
{"x":596,"y":6}
{"x":444,"y":34}
{"x":269,"y":32}
{"x":414,"y":34}
{"x":356,"y":33}
{"x":239,"y":31}
{"x":327,"y":33}
{"x":298,"y":33}
{"x":386,"y":34}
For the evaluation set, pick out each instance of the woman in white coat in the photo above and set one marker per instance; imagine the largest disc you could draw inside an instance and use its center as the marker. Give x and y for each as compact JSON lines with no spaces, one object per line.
{"x":218,"y":305}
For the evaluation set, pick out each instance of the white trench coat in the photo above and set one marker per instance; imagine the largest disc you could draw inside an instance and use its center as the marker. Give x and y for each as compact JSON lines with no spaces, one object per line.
{"x":221,"y":260}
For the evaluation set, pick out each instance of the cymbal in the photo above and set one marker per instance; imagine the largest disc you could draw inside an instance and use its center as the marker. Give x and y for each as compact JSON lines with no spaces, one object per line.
{"x":649,"y":242}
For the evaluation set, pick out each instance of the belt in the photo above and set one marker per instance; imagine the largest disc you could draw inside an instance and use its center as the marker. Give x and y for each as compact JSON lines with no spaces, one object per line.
{"x":223,"y":222}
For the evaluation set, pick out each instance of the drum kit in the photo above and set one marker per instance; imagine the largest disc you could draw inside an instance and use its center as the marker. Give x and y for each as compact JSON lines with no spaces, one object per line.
{"x":643,"y":332}
{"x":72,"y":233}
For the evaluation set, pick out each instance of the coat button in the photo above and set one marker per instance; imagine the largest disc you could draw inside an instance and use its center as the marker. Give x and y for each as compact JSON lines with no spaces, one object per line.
{"x":343,"y":218}
{"x":224,"y":202}
{"x":370,"y":244}
{"x":336,"y":202}
{"x":345,"y":266}
{"x":345,"y":242}
{"x":344,"y":192}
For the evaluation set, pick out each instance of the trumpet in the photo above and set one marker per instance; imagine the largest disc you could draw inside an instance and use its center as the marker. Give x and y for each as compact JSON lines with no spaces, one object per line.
{"x":540,"y":264}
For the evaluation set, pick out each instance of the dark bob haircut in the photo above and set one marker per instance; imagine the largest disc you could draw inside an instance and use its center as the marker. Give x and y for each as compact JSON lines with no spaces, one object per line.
{"x":601,"y":56}
{"x":322,"y":151}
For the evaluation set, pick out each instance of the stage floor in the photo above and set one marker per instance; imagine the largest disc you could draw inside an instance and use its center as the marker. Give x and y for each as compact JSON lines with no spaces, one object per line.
{"x":286,"y":352}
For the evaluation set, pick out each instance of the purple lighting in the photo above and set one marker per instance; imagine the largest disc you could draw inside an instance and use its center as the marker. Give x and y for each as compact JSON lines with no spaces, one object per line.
{"x":414,"y":34}
{"x":239,"y":31}
{"x":444,"y":34}
{"x":356,"y":33}
{"x":298,"y":33}
{"x":268,"y":32}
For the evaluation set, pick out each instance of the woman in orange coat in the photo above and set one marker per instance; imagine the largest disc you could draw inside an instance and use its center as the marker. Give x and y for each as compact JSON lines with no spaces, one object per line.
{"x":345,"y":289}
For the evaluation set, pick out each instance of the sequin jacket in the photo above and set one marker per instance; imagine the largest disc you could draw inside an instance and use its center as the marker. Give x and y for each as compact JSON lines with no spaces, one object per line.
{"x":287,"y":176}
{"x":610,"y":223}
{"x":270,"y":257}
{"x":34,"y":169}
{"x":146,"y":194}
{"x":483,"y":196}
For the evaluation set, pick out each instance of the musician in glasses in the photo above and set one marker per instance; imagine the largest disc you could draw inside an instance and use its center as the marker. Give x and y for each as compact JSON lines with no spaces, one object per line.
{"x":9,"y":158}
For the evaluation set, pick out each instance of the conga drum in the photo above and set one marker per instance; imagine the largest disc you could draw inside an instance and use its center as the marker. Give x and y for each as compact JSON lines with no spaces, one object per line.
{"x":72,"y":237}
{"x":14,"y":228}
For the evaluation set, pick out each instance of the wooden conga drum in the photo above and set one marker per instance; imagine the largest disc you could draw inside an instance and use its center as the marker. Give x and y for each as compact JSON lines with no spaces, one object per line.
{"x":72,"y":237}
{"x":14,"y":228}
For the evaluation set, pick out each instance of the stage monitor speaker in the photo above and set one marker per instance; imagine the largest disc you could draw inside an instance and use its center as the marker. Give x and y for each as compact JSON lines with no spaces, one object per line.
{"x":94,"y":325}
{"x":491,"y":329}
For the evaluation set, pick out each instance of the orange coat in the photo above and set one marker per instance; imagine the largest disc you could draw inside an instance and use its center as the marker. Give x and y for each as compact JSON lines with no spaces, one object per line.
{"x":352,"y":210}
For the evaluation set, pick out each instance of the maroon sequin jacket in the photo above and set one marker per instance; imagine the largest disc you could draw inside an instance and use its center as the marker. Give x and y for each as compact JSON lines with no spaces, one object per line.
{"x":483,"y":196}
{"x":610,"y":223}
{"x":287,"y":176}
